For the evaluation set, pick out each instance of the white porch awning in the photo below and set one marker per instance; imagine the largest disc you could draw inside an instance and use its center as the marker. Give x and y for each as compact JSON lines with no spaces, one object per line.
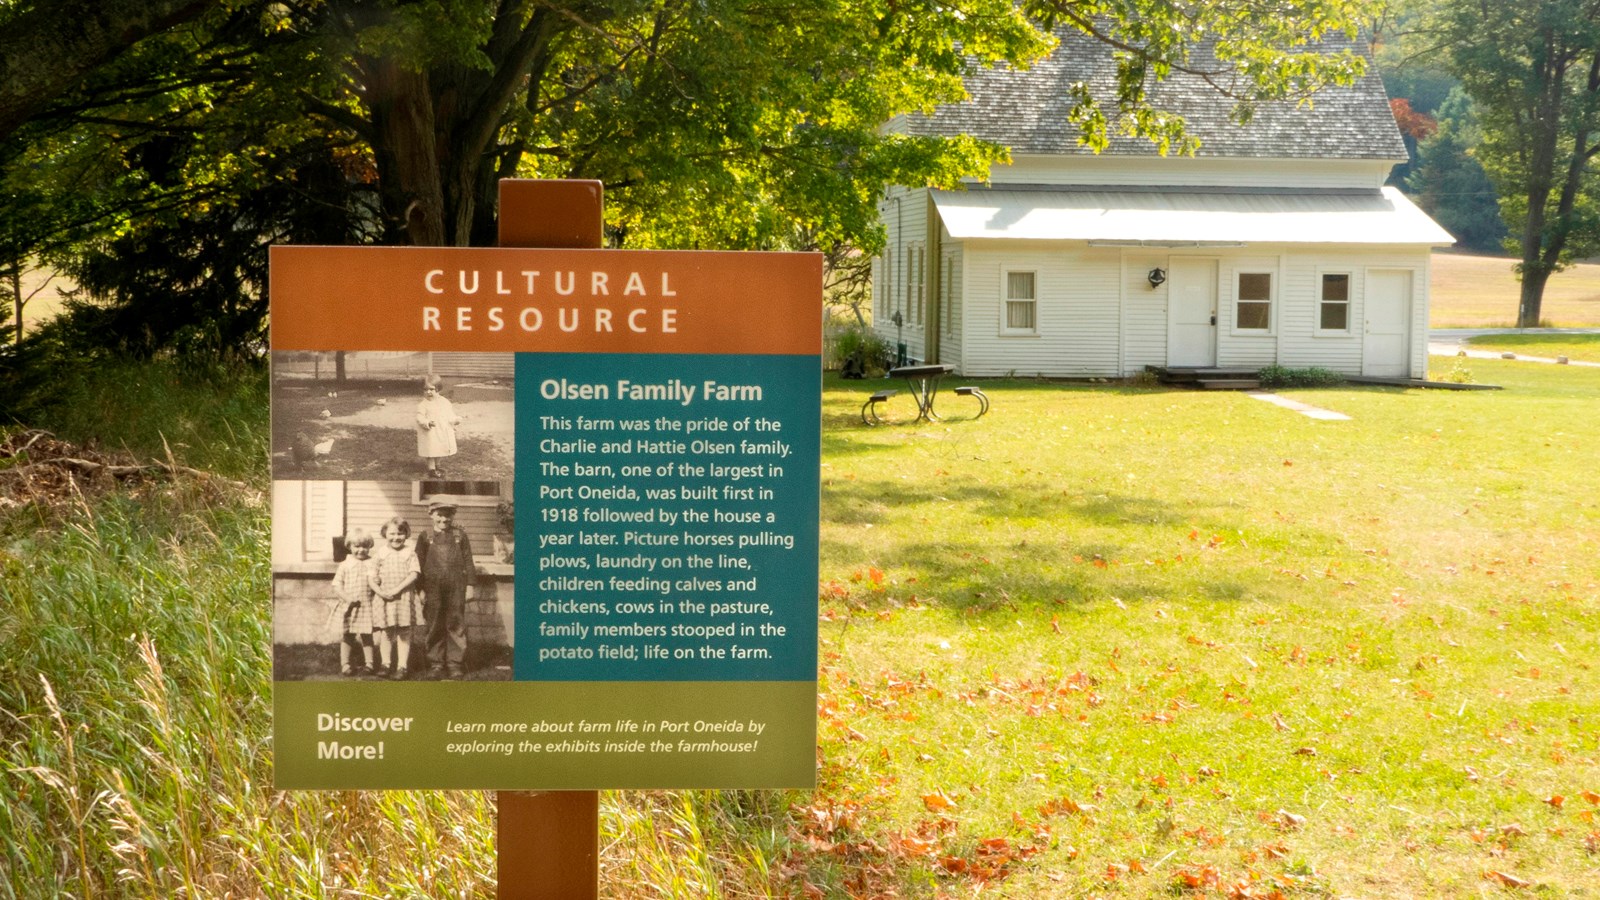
{"x":1188,"y":216}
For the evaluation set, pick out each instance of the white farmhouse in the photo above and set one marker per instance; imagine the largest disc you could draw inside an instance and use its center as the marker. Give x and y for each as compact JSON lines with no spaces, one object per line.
{"x":1277,"y":243}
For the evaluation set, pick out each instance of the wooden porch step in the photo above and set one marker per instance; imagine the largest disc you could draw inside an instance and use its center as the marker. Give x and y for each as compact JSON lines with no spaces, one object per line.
{"x":1210,"y":376}
{"x":1228,"y":384}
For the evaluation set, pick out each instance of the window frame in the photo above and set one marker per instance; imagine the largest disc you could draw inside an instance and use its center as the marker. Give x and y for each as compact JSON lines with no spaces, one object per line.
{"x":1348,"y":301}
{"x":420,"y":496}
{"x":1271,"y":302}
{"x":1006,"y":330}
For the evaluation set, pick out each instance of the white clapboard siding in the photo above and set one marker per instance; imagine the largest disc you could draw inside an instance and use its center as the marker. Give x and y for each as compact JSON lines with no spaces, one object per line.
{"x":1144,"y":313}
{"x":475,"y":365}
{"x":1078,"y":316}
{"x":905,"y":216}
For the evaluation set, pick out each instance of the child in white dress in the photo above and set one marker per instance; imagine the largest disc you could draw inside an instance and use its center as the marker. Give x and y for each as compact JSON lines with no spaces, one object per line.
{"x":436,"y":426}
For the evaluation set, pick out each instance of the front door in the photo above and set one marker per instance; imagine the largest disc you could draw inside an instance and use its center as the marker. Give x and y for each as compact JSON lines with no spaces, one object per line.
{"x":1192,"y":312}
{"x":1386,"y":343}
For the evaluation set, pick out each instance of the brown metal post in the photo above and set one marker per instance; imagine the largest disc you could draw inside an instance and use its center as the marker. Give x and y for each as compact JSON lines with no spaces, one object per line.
{"x":548,"y":842}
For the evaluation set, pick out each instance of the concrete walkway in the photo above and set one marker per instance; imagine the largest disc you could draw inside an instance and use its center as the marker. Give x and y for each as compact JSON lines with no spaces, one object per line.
{"x":1453,"y":342}
{"x":1304,"y":409}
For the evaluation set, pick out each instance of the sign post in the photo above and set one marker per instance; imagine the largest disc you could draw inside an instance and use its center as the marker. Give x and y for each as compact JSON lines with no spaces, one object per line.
{"x":547,"y":844}
{"x":553,"y":529}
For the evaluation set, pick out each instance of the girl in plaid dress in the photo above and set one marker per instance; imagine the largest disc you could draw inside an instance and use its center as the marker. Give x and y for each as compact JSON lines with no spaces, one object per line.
{"x":395,"y":573}
{"x":352,"y":610}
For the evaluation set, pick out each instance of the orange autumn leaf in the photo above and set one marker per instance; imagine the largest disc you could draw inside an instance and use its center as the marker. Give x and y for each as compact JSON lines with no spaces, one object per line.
{"x":1556,"y":800}
{"x":916,"y":846}
{"x":938,"y":801}
{"x":1590,"y":796}
{"x":1507,"y":879}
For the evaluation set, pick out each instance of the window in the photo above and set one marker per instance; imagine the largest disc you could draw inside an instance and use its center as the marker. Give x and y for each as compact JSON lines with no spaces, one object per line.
{"x":1333,"y":308}
{"x":1254,"y":308}
{"x":1021,"y":303}
{"x":465,"y":493}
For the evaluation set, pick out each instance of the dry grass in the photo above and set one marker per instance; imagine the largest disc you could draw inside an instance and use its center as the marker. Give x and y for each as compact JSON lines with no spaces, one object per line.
{"x":1481,"y":292}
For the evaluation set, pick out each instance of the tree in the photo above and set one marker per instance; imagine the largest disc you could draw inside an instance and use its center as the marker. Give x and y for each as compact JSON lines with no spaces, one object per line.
{"x":1533,"y":71}
{"x":714,"y":123}
{"x":47,"y":48}
{"x":1451,"y":185}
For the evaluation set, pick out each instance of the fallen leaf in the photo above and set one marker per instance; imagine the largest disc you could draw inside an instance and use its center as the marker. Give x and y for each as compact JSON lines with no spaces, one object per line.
{"x":1290,"y":820}
{"x":1507,"y":879}
{"x":938,"y":801}
{"x":1555,"y":800}
{"x":1590,"y":796}
{"x":1306,"y":751}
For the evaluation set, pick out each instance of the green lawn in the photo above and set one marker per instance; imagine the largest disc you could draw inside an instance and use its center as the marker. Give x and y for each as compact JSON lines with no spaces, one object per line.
{"x":1105,"y":641}
{"x":1585,"y":347}
{"x":1198,"y":636}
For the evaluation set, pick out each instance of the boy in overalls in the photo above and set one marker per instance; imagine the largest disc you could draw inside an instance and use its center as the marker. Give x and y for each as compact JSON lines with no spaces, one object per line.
{"x":446,"y":558}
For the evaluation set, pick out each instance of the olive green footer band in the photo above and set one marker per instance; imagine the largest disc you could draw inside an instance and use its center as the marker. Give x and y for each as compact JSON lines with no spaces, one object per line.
{"x":544,"y":735}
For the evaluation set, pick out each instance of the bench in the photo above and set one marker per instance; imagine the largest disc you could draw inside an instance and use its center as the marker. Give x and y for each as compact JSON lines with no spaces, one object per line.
{"x":869,"y":409}
{"x":983,"y":399}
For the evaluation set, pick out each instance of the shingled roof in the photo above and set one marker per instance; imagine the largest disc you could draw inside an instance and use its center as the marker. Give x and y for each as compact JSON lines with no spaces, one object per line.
{"x":1026,"y":110}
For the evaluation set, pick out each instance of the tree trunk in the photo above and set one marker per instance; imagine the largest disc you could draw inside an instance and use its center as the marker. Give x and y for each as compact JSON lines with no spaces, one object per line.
{"x":405,"y":146}
{"x":1533,"y":282}
{"x":18,"y":302}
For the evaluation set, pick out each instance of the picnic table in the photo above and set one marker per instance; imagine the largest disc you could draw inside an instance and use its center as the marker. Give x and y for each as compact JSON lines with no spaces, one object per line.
{"x":924,"y":384}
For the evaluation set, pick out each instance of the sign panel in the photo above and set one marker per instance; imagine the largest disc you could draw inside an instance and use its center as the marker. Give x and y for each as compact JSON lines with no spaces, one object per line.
{"x":544,"y":519}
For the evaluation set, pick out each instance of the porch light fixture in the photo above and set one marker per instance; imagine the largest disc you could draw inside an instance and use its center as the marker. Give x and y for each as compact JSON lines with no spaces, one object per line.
{"x":1157,"y":277}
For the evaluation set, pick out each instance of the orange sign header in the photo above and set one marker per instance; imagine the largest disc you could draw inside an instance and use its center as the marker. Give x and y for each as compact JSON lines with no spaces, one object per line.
{"x":508,"y":299}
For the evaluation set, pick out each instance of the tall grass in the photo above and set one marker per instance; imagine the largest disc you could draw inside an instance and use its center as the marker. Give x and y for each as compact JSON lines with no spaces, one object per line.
{"x":211,"y":416}
{"x":135,"y":684}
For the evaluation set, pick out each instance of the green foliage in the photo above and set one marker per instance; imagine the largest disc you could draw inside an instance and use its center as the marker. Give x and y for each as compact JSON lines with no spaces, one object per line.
{"x":1282,"y":377}
{"x":1526,"y":67}
{"x":1456,"y":373}
{"x":715,"y":124}
{"x":1426,"y":86}
{"x":1451,"y":185}
{"x":1252,"y":52}
{"x":205,"y":414}
{"x":857,"y":349}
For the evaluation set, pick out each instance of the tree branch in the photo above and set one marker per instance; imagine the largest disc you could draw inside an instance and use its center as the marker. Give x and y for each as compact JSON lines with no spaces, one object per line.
{"x":50,"y":48}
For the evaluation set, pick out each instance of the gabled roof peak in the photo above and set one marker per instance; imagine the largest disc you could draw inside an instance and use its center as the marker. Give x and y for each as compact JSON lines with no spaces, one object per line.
{"x":1026,"y":110}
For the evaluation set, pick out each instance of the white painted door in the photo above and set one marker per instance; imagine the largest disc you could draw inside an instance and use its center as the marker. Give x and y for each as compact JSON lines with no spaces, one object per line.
{"x":1192,"y":312}
{"x":1386,"y":343}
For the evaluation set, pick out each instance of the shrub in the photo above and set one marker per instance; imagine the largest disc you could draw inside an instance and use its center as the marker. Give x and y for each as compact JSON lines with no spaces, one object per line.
{"x":1280,"y":377}
{"x":857,"y":351}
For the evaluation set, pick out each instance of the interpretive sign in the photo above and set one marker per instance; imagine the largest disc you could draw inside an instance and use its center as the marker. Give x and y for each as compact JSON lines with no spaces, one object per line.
{"x":544,"y":519}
